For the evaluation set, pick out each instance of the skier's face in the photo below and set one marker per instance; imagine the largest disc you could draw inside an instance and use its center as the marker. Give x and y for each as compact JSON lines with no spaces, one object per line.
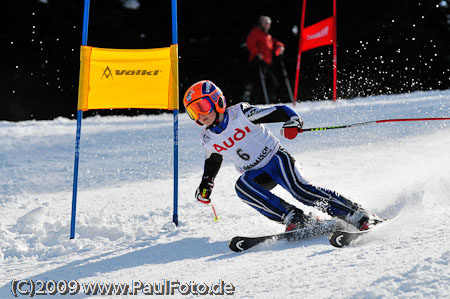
{"x":265,"y":24}
{"x":207,"y":119}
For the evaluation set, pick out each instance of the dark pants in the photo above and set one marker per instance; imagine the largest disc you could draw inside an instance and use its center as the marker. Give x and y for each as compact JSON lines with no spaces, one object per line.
{"x":254,"y":93}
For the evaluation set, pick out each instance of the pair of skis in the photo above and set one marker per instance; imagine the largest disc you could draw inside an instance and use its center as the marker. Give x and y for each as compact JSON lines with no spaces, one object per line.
{"x":340,"y":237}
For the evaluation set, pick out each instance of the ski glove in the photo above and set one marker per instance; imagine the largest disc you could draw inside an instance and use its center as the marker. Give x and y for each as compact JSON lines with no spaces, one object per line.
{"x":279,"y":51}
{"x":291,"y":128}
{"x":203,"y":191}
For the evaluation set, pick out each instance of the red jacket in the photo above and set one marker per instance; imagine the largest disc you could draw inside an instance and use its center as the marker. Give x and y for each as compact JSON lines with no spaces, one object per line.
{"x":261,"y":42}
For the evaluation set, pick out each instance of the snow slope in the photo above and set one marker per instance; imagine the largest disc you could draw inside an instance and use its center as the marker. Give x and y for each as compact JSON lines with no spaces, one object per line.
{"x":398,"y":170}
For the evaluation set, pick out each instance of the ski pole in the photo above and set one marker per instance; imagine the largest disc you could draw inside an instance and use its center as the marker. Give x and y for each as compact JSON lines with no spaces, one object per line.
{"x":215,"y":214}
{"x":286,"y":79}
{"x":373,"y":122}
{"x":263,"y":84}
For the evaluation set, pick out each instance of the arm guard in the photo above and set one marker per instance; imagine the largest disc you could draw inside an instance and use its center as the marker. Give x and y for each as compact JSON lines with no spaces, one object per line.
{"x":212,"y":165}
{"x":278,"y":113}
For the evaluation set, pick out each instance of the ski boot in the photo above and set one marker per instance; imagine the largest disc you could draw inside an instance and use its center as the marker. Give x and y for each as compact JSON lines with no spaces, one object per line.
{"x":363,"y":220}
{"x":296,"y":219}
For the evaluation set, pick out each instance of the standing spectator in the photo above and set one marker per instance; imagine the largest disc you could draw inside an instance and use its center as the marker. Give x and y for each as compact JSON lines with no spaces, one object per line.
{"x":262,"y":46}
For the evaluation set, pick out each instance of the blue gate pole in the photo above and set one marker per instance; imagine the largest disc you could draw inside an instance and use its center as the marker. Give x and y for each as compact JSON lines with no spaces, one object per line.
{"x":175,"y":122}
{"x":77,"y":141}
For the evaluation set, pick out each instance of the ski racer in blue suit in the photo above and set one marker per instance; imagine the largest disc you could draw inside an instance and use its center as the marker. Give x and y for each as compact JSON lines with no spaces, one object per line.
{"x":238,"y":133}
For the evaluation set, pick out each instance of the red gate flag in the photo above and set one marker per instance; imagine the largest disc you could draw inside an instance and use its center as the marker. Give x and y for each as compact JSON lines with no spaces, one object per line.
{"x":318,"y":35}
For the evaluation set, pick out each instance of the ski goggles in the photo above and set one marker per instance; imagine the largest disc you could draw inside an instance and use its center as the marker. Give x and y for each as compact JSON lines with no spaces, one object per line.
{"x":200,"y":106}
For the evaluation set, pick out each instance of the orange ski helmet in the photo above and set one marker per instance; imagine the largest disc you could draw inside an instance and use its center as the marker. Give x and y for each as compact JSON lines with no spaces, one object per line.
{"x":201,"y":98}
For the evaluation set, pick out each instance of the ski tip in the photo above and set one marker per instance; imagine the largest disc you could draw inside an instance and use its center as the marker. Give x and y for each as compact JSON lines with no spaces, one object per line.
{"x":235,"y":244}
{"x":336,"y":239}
{"x":345,"y":238}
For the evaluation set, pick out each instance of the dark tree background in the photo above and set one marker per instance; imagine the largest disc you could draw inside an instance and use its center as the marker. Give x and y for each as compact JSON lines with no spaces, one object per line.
{"x":384,"y":47}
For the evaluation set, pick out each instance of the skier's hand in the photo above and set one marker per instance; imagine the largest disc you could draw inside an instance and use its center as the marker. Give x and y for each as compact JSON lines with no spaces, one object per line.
{"x":292,"y":127}
{"x":203,"y":191}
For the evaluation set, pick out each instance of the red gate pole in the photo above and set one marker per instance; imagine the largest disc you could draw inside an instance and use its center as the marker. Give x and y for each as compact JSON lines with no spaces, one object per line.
{"x":299,"y":55}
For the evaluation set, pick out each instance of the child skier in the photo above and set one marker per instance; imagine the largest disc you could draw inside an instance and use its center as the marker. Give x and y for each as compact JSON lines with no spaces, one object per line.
{"x":239,"y":133}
